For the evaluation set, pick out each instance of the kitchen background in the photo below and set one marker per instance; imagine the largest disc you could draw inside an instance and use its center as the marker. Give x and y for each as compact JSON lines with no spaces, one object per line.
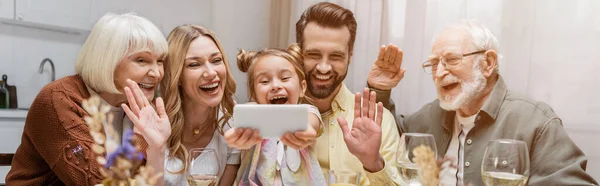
{"x":550,"y":47}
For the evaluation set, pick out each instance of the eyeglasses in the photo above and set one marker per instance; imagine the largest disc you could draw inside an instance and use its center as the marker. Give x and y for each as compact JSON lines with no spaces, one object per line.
{"x":448,"y":61}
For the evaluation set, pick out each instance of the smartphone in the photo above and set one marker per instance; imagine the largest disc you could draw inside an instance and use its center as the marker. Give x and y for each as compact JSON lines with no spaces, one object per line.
{"x":272,"y":121}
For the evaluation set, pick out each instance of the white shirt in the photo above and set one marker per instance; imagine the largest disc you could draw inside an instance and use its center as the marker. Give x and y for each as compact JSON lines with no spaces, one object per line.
{"x":450,"y":175}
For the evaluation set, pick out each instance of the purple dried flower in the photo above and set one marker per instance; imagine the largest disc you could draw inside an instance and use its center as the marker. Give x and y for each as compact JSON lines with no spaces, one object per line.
{"x":126,"y":150}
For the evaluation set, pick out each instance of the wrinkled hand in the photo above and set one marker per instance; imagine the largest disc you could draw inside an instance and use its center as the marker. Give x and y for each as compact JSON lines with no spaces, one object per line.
{"x":387,"y":72}
{"x":364,"y":139}
{"x":242,"y":138}
{"x":154,"y":127}
{"x":301,"y":139}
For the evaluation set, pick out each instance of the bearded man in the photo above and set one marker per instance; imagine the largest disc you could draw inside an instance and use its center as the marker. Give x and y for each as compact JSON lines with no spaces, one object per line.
{"x":474,"y":107}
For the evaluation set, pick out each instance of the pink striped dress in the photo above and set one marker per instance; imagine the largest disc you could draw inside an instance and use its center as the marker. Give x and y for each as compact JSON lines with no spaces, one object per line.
{"x":271,"y":163}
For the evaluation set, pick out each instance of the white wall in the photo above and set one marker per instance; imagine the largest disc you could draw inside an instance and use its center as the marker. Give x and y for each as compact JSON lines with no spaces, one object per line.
{"x":241,"y":25}
{"x":22,"y":49}
{"x":165,"y":14}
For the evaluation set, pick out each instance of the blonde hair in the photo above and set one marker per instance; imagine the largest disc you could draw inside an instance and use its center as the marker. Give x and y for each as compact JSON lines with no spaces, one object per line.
{"x":113,"y":38}
{"x":179,"y":42}
{"x":247,"y":59}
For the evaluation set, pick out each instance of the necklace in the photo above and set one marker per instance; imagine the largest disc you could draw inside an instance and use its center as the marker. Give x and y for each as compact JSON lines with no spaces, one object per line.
{"x":199,"y":131}
{"x":202,"y":128}
{"x":196,"y":132}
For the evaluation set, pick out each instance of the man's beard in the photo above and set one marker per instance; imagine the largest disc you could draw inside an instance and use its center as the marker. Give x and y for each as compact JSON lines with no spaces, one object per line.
{"x":469,"y":90}
{"x":323,"y":91}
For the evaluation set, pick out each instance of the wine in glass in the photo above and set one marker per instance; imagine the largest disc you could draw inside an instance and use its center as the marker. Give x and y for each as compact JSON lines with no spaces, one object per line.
{"x":505,"y":163}
{"x":203,"y":167}
{"x":408,"y":169}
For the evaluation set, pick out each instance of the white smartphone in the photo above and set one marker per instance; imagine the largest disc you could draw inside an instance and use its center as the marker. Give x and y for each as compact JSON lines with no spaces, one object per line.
{"x":272,"y":121}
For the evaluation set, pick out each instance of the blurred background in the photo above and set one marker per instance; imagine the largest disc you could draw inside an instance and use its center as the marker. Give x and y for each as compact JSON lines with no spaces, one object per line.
{"x":550,"y":48}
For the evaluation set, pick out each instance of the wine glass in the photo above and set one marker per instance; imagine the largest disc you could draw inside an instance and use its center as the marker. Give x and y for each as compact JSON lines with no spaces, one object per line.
{"x":203,"y":167}
{"x":343,"y":178}
{"x":505,"y":162}
{"x":407,"y":168}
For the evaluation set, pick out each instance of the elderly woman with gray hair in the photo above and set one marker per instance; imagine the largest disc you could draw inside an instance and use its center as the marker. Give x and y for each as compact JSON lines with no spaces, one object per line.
{"x":56,"y":143}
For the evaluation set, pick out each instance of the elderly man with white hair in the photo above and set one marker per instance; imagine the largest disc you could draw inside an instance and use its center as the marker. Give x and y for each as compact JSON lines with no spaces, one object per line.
{"x":474,"y":106}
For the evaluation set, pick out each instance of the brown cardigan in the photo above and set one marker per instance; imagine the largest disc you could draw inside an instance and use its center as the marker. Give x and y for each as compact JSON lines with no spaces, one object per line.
{"x":56,"y":142}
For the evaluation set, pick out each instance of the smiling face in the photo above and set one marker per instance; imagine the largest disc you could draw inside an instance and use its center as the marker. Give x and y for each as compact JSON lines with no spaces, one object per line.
{"x":326,"y":58}
{"x":204,"y":73}
{"x":456,"y":85}
{"x":145,"y":68}
{"x":276,"y":81}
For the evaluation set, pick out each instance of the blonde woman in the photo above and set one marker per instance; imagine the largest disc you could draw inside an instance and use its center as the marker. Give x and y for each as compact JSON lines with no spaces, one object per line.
{"x":197,"y":89}
{"x":56,"y":142}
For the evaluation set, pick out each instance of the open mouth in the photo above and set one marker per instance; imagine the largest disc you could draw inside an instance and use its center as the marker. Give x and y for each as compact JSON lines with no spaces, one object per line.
{"x":278,"y":100}
{"x":146,"y":86}
{"x":210,"y":88}
{"x":320,"y":79}
{"x":323,"y":77}
{"x":450,"y":86}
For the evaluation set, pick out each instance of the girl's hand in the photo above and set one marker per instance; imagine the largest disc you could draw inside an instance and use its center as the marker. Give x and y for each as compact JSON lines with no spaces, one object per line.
{"x":242,"y":138}
{"x":301,"y":139}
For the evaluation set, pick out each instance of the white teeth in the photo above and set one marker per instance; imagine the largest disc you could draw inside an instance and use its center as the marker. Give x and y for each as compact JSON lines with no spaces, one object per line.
{"x":323,"y":77}
{"x":278,"y":97}
{"x":214,"y":85}
{"x":145,"y":85}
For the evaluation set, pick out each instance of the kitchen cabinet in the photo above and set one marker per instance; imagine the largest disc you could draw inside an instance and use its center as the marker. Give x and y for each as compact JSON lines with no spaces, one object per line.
{"x":61,"y":13}
{"x":78,"y":16}
{"x":164,"y":14}
{"x":64,"y":16}
{"x":12,"y":122}
{"x":7,"y":9}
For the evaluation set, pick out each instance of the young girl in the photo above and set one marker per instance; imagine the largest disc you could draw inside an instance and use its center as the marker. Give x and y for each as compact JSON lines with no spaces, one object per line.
{"x":275,"y":76}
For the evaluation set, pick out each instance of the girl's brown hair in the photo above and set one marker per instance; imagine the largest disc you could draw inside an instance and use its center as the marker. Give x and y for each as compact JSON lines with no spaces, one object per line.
{"x":247,"y":59}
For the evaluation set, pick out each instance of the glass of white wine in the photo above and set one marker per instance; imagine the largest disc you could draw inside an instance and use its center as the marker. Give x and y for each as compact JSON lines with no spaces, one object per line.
{"x":343,"y":178}
{"x":203,"y":167}
{"x":505,"y":163}
{"x":407,"y":168}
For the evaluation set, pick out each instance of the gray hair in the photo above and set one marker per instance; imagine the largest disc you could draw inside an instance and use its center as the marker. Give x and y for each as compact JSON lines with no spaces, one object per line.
{"x":113,"y":38}
{"x":481,"y":37}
